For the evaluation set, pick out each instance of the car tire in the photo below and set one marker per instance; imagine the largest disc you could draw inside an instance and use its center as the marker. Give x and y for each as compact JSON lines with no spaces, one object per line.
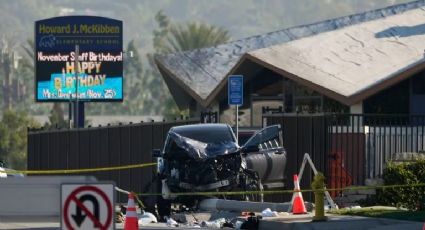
{"x":150,"y":201}
{"x":157,"y":205}
{"x":163,"y":206}
{"x":253,"y":183}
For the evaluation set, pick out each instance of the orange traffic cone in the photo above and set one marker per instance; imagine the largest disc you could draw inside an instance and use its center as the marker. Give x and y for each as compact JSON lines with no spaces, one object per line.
{"x":131,"y":221}
{"x":298,"y":206}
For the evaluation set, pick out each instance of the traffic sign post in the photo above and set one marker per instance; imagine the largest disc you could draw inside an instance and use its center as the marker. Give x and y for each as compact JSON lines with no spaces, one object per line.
{"x":235,"y":96}
{"x":87,"y":206}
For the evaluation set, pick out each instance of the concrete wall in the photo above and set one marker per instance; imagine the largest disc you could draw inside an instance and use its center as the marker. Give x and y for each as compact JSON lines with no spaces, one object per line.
{"x":34,"y":195}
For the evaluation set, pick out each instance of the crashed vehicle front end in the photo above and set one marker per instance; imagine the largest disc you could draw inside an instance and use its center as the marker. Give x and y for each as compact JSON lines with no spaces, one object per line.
{"x":196,"y":166}
{"x":206,"y":157}
{"x":211,"y":174}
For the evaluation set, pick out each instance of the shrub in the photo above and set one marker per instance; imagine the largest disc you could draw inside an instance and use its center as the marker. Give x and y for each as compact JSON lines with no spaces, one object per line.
{"x":412,"y":198}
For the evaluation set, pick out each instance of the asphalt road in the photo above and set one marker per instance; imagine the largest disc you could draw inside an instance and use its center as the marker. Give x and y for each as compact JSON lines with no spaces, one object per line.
{"x":300,"y":222}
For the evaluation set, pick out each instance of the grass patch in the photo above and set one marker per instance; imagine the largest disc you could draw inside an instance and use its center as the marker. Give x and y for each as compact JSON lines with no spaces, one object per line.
{"x":384,"y":213}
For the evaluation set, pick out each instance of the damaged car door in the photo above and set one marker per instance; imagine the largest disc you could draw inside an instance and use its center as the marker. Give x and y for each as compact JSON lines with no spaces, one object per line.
{"x":264,"y":154}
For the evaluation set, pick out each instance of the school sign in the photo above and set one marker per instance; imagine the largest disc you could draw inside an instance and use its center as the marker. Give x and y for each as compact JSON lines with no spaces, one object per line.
{"x":100,"y":59}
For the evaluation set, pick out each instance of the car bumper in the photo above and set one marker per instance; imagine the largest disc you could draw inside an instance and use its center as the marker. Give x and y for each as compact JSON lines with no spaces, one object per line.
{"x":218,"y":184}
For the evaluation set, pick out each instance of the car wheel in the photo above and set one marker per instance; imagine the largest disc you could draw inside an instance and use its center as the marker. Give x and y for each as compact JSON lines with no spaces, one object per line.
{"x":150,"y":201}
{"x":156,"y":205}
{"x":253,"y":183}
{"x":163,"y":206}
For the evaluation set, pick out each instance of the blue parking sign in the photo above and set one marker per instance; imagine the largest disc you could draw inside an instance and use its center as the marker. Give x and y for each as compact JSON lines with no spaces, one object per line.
{"x":235,"y":89}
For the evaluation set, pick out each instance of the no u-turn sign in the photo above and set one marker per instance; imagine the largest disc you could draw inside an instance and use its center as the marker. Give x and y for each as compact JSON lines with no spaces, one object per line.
{"x":87,"y":206}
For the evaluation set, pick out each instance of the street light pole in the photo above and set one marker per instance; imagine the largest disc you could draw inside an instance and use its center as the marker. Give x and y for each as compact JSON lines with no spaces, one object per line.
{"x":6,"y":62}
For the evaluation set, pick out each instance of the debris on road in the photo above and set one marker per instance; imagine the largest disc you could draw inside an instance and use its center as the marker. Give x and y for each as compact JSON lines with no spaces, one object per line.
{"x":147,"y":218}
{"x":119,"y":217}
{"x":251,"y":223}
{"x":171,"y":222}
{"x":269,"y":213}
{"x":216,"y":224}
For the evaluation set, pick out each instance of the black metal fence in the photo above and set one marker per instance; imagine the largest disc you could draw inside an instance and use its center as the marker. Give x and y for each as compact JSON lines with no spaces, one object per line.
{"x":301,"y":134}
{"x":101,"y":147}
{"x":348,"y":148}
{"x":209,"y":117}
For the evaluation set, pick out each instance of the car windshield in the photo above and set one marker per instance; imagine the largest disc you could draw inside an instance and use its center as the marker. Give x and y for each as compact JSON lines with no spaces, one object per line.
{"x":197,"y":150}
{"x":208,"y":135}
{"x":200,"y":142}
{"x":265,"y":138}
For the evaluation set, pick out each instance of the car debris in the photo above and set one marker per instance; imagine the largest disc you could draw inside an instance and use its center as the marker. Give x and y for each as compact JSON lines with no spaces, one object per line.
{"x":269,"y":213}
{"x":171,"y":222}
{"x":216,"y":224}
{"x":213,"y":204}
{"x":147,"y":218}
{"x":252,"y":222}
{"x":119,"y":217}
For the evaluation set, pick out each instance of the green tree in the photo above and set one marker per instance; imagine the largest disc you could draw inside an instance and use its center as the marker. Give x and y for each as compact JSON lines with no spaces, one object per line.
{"x":25,"y":101}
{"x":194,"y":36}
{"x":137,"y":94}
{"x":13,"y":138}
{"x":173,"y":38}
{"x":56,"y":117}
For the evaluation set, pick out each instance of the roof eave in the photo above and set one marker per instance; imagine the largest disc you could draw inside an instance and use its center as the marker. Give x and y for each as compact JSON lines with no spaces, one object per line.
{"x":247,"y":56}
{"x":396,"y":78}
{"x":192,"y":93}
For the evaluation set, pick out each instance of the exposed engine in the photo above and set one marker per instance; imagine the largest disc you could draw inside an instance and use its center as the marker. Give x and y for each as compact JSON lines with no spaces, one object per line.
{"x":189,"y":174}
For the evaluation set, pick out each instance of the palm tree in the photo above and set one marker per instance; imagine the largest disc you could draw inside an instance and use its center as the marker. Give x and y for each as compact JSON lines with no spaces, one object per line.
{"x":173,"y":38}
{"x":56,"y":117}
{"x":194,"y":36}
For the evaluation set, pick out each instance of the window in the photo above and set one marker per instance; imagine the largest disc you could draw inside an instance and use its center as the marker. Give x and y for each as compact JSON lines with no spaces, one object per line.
{"x":267,"y":138}
{"x":267,"y":105}
{"x":418,"y":84}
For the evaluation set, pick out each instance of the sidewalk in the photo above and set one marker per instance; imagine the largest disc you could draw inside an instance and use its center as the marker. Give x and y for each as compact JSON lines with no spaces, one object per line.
{"x":24,"y":222}
{"x":335,"y":222}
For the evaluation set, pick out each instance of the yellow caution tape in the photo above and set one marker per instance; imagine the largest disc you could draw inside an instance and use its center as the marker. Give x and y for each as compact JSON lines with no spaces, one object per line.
{"x":139,"y":201}
{"x":70,"y":171}
{"x":229,"y":193}
{"x":274,"y":192}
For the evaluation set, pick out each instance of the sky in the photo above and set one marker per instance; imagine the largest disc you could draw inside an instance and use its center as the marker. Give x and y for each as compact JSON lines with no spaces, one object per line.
{"x":242,"y":18}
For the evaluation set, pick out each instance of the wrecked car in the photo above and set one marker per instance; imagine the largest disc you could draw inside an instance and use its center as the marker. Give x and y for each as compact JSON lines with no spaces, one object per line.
{"x":207,"y":157}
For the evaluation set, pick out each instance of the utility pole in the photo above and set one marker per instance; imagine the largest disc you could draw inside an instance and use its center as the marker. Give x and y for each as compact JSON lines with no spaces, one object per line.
{"x":9,"y":61}
{"x":77,"y":73}
{"x":6,"y":84}
{"x":78,"y":105}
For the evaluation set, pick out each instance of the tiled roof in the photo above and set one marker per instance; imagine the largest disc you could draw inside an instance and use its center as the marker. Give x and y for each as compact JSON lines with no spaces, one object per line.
{"x":354,"y":62}
{"x":202,"y":70}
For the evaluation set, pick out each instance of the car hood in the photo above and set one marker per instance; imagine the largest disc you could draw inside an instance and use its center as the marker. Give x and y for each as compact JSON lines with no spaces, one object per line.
{"x":201,"y":151}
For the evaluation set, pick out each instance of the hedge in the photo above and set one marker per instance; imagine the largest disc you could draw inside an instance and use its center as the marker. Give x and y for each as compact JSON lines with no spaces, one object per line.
{"x":412,"y":198}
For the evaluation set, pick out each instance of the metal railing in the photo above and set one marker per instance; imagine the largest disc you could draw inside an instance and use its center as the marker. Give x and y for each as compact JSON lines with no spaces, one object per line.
{"x":351,"y":148}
